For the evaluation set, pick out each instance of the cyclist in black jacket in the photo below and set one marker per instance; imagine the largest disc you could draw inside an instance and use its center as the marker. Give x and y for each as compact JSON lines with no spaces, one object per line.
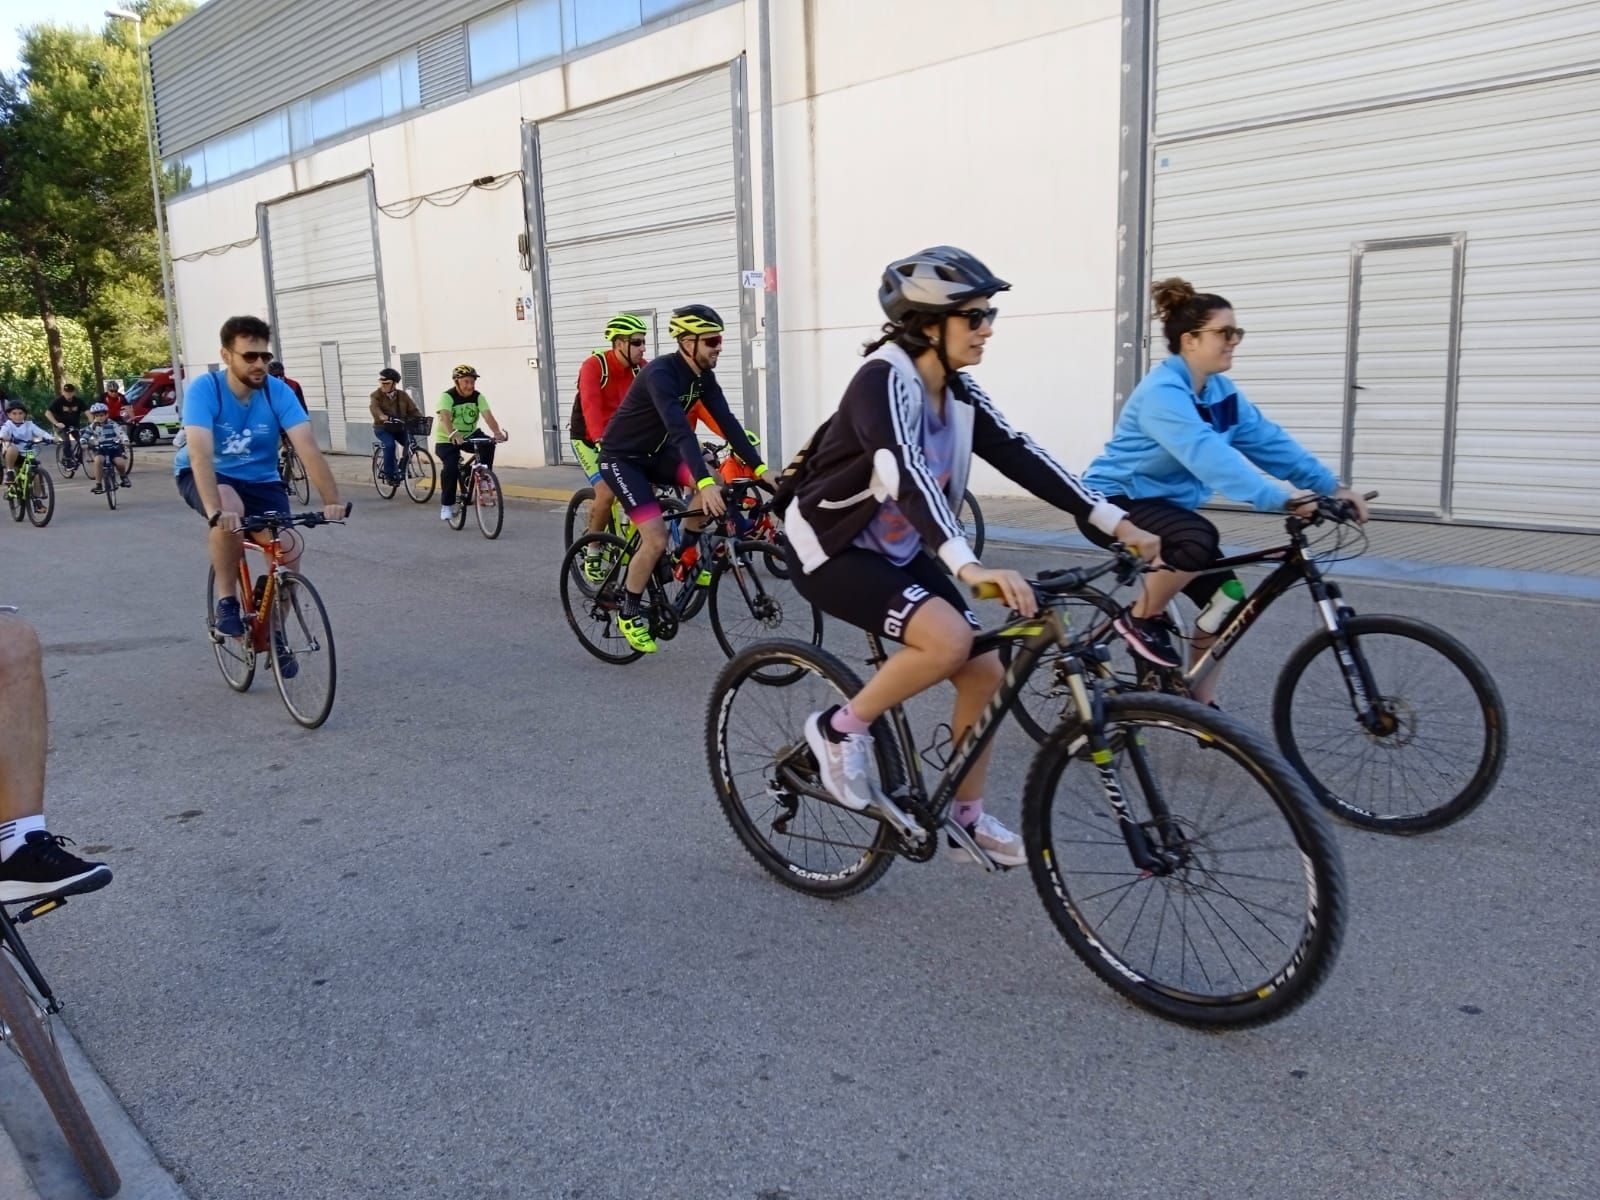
{"x":870,"y":518}
{"x":650,"y":440}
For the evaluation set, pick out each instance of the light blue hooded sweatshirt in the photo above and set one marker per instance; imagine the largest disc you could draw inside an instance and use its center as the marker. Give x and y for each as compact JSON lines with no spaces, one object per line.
{"x":1170,"y":444}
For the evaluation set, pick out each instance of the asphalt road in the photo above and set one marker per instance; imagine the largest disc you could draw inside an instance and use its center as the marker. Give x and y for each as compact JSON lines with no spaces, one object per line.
{"x":487,"y":934}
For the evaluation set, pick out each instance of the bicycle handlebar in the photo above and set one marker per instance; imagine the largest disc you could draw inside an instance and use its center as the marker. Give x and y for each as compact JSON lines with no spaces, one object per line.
{"x":1067,"y":581}
{"x":277,"y":520}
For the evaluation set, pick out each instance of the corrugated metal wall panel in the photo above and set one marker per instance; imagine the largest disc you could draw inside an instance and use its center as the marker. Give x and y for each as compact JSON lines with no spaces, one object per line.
{"x":323,"y":275}
{"x":639,"y":214}
{"x":294,"y":47}
{"x":1226,"y":61}
{"x":1268,"y":217}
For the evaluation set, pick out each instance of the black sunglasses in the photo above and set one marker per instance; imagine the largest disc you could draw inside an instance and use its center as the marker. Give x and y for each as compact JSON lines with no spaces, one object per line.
{"x":253,"y":356}
{"x":636,"y":341}
{"x":1230,"y":333}
{"x":977,"y":317}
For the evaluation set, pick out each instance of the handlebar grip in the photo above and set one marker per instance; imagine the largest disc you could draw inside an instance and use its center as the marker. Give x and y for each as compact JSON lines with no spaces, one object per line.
{"x":987,"y":591}
{"x":1372,"y":495}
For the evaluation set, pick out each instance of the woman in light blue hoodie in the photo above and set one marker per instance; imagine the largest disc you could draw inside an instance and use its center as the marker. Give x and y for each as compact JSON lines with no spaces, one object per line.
{"x":1185,"y":433}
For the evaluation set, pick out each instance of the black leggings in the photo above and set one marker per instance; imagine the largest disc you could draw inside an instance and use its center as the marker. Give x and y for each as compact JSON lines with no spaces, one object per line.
{"x":1189,"y":542}
{"x":449,"y":456}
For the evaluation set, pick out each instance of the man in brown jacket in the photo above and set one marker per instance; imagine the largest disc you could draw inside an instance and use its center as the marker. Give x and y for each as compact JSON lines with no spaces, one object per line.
{"x":391,"y":407}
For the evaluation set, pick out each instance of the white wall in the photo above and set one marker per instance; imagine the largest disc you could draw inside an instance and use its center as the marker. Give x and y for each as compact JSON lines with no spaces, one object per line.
{"x":995,"y":132}
{"x":896,"y":126}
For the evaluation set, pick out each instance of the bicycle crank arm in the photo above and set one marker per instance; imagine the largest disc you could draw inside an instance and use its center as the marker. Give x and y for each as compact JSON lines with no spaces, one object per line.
{"x":965,"y":840}
{"x":891,"y":814}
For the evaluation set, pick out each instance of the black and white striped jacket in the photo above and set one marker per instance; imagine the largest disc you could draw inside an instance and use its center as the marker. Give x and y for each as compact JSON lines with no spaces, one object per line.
{"x":871,"y":451}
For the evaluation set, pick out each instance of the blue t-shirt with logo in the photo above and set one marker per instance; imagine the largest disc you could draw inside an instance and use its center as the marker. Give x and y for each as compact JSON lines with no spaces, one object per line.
{"x":245,"y":436}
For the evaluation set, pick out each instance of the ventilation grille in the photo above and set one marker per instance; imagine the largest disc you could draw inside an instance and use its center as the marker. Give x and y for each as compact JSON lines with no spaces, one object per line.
{"x":411,"y":375}
{"x":442,"y":65}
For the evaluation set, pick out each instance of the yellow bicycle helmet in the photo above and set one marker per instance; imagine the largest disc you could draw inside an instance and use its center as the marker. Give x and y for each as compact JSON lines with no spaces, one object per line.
{"x":625,"y":325}
{"x":692,"y":320}
{"x":464,"y":371}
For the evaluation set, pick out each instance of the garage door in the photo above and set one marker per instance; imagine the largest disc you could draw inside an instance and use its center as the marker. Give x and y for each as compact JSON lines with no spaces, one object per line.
{"x":639,"y":215}
{"x":1403,"y":201}
{"x":322,"y":272}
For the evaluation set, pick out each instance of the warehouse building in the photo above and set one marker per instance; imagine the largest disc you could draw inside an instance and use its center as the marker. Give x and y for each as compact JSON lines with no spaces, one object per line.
{"x":1401,"y":199}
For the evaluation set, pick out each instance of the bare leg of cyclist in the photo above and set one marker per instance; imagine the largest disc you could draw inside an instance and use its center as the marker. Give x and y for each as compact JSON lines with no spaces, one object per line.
{"x":32,"y":863}
{"x":937,"y":643}
{"x":1159,"y":588}
{"x":652,"y":543}
{"x":22,"y":716}
{"x":600,"y":510}
{"x":227,"y":548}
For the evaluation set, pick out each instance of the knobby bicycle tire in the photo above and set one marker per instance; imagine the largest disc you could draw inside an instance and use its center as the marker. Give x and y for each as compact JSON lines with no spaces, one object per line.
{"x":41,"y":498}
{"x":747,"y":562}
{"x":1221,"y":742}
{"x":1484,"y":772}
{"x":584,"y":601}
{"x":577,"y":510}
{"x":970,"y":517}
{"x":753,"y":667}
{"x":31,"y":1038}
{"x":294,"y":597}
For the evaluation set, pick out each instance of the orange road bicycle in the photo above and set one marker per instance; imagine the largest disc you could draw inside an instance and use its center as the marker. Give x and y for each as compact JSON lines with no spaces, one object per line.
{"x":284,"y":618}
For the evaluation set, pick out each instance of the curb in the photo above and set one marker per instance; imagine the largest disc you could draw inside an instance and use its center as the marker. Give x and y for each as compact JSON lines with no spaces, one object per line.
{"x":35,"y":1162}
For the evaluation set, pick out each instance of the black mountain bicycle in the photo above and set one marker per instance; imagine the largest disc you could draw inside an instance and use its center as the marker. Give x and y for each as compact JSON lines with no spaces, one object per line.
{"x":1393,"y":722}
{"x":293,"y":473}
{"x":414,"y":466}
{"x":1177,"y":853}
{"x":742,"y":582}
{"x":27,"y":1024}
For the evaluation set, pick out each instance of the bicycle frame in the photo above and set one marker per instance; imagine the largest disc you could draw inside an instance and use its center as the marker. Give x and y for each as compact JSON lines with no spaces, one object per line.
{"x":253,"y":611}
{"x":11,"y":940}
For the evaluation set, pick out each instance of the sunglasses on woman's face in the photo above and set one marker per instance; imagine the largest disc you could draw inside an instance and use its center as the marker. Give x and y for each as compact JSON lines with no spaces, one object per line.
{"x":1230,"y":333}
{"x":977,"y":318}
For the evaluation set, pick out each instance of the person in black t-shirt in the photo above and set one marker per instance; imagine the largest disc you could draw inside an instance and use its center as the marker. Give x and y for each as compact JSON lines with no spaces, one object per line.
{"x":66,"y":411}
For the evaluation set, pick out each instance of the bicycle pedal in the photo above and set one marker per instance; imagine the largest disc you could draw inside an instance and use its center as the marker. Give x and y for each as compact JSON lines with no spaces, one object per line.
{"x":898,"y":819}
{"x":38,"y":909}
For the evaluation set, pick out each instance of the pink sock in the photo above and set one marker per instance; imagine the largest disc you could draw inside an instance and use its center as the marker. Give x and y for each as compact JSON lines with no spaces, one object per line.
{"x":846,"y":721}
{"x":967,"y":812}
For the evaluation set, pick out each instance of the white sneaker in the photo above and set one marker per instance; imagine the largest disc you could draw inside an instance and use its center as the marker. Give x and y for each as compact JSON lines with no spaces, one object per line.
{"x":444,"y":512}
{"x":998,"y":842}
{"x":843,"y":764}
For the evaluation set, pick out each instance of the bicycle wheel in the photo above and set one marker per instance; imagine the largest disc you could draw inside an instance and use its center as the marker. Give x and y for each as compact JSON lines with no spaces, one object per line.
{"x":66,"y":458}
{"x":235,"y":656}
{"x":108,"y":474}
{"x":593,"y":609}
{"x":971,"y":518}
{"x":422,"y":475}
{"x":386,"y":487}
{"x":15,"y":501}
{"x":488,"y":504}
{"x":41,"y":498}
{"x":300,"y":651}
{"x":458,"y":514}
{"x":1442,"y":736}
{"x":299,"y":483}
{"x":1245,"y":922}
{"x":578,"y":510}
{"x":756,"y":749}
{"x":26,"y":1028}
{"x":749,"y":604}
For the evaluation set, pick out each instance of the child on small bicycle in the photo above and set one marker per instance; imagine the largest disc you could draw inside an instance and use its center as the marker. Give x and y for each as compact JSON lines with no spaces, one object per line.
{"x":104,"y":438}
{"x":17,"y":433}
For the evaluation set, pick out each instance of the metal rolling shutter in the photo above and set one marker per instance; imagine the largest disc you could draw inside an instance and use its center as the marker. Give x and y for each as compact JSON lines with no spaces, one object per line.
{"x":1326,"y":160}
{"x":640,"y":215}
{"x":323,"y":275}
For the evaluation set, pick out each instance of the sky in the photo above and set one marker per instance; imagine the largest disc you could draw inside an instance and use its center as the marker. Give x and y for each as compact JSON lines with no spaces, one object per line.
{"x":16,"y":15}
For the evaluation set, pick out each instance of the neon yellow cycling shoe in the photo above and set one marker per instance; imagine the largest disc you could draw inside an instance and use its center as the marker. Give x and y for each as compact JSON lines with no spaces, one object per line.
{"x":595,"y":567}
{"x":637,"y":631}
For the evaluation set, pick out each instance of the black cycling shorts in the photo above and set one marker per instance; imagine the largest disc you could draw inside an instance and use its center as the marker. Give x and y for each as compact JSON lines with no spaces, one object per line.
{"x":868,"y":591}
{"x":632,"y":480}
{"x":1189,"y":542}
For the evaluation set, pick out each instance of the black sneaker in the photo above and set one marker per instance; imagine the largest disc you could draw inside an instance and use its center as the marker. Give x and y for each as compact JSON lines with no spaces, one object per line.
{"x":96,"y":490}
{"x":1149,"y":637}
{"x":125,"y":481}
{"x":44,"y":867}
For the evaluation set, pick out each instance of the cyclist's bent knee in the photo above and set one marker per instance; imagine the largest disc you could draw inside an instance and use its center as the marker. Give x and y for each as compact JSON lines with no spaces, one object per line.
{"x":939,"y":631}
{"x":20,"y":656}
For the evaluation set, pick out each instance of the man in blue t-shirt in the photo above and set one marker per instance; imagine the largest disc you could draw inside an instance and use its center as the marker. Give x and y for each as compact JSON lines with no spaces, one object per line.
{"x":228,"y":467}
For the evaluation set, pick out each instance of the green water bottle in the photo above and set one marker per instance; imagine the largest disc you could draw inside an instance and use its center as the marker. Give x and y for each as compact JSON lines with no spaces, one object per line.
{"x":1220,"y":607}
